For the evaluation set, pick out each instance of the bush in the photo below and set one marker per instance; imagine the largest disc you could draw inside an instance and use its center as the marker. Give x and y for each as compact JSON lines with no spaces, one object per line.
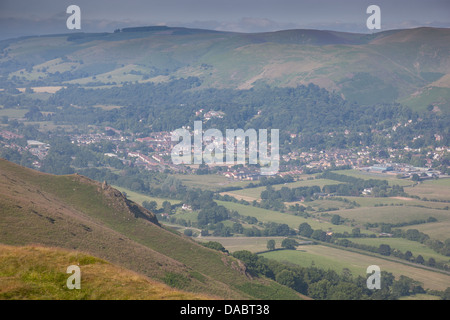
{"x":176,"y":280}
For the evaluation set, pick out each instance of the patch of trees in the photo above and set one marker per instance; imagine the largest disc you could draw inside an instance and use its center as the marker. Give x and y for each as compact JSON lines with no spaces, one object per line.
{"x":286,"y":194}
{"x":309,"y":111}
{"x":289,"y":243}
{"x":214,"y":245}
{"x":269,"y":229}
{"x":25,"y":159}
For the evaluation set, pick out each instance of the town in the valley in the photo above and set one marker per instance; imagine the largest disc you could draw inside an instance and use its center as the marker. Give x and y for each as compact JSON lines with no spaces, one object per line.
{"x":153,"y":152}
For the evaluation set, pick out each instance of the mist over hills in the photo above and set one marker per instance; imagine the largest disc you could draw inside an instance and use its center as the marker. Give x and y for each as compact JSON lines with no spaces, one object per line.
{"x":410,"y":66}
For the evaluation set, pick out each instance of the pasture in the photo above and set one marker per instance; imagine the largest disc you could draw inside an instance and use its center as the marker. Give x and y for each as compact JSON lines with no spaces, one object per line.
{"x":255,"y":193}
{"x":211,"y":182}
{"x":392,"y":214}
{"x":403,"y":245}
{"x":392,"y":179}
{"x":432,"y":189}
{"x":337,"y":259}
{"x":292,"y":221}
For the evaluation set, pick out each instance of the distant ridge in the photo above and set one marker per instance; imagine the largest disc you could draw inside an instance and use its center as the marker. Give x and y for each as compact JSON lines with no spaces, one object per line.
{"x":410,"y":66}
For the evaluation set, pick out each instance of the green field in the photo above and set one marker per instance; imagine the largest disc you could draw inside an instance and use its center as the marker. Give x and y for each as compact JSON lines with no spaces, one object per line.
{"x":255,"y":193}
{"x":187,"y":215}
{"x":306,"y":256}
{"x":320,"y":205}
{"x":374,"y":201}
{"x":332,"y":258}
{"x":432,"y":189}
{"x":211,"y":182}
{"x":392,"y":180}
{"x":292,"y":221}
{"x":392,"y":214}
{"x":436,"y":230}
{"x":13,"y":113}
{"x":252,"y":244}
{"x":337,"y":259}
{"x":404,"y":245}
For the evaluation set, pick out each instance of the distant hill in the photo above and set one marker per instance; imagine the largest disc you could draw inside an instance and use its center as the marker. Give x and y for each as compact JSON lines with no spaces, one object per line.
{"x":76,"y":213}
{"x":410,"y":66}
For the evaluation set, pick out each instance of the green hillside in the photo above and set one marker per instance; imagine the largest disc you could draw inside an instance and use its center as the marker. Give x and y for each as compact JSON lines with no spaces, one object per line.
{"x":396,"y":65}
{"x":74,"y":212}
{"x":36,"y":272}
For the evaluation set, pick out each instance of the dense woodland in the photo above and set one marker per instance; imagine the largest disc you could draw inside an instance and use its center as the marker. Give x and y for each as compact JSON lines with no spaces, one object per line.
{"x":319,"y":117}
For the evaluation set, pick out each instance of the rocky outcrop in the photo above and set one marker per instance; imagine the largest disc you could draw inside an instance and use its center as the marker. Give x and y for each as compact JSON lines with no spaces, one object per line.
{"x":119,"y":202}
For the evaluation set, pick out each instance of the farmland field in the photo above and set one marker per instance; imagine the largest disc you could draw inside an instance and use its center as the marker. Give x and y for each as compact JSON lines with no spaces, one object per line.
{"x":403,"y":245}
{"x":373,"y":201}
{"x":255,"y":193}
{"x":332,"y":258}
{"x":292,"y":221}
{"x":211,"y":182}
{"x":13,"y":113}
{"x":187,"y":215}
{"x":393,"y":214}
{"x":387,"y":210}
{"x":436,"y":230}
{"x":431,"y":189}
{"x":47,"y":89}
{"x":336,"y":259}
{"x":392,"y":180}
{"x":252,"y":244}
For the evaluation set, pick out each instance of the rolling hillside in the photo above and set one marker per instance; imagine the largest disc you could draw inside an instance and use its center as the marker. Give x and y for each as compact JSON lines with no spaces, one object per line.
{"x":76,"y":213}
{"x":411,"y":66}
{"x":36,"y":272}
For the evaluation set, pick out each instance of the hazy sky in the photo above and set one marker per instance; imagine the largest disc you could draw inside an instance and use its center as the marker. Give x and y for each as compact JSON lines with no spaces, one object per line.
{"x":32,"y":17}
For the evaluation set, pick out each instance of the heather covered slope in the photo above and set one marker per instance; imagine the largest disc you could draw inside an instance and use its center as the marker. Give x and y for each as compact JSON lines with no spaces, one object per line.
{"x":74,"y":212}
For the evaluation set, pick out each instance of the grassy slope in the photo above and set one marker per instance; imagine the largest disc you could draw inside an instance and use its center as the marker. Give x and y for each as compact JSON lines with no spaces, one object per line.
{"x":73,"y":212}
{"x":35,"y":272}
